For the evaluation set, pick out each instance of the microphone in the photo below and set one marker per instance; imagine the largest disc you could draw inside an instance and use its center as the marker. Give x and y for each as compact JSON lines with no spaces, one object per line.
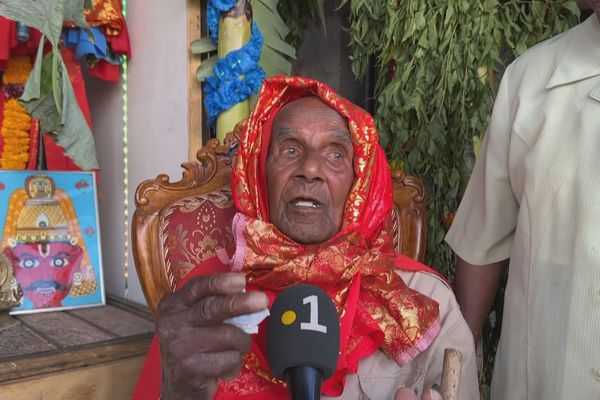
{"x":303,"y":339}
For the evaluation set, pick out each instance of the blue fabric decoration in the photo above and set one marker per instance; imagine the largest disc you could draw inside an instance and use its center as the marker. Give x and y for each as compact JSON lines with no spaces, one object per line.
{"x":79,"y":39}
{"x":22,"y":32}
{"x":237,"y":75}
{"x":98,"y":48}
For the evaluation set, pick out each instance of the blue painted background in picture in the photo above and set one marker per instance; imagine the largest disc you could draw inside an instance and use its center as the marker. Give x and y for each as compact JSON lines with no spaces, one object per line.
{"x":50,"y":235}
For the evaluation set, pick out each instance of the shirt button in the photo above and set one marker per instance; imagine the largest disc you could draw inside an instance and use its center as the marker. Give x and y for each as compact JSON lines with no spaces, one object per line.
{"x":597,"y":374}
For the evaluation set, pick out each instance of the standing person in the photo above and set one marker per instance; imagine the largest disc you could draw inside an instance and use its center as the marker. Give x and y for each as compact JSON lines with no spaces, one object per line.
{"x":533,"y":202}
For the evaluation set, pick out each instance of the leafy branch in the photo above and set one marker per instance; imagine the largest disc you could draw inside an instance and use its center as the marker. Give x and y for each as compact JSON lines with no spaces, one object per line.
{"x":438,"y":68}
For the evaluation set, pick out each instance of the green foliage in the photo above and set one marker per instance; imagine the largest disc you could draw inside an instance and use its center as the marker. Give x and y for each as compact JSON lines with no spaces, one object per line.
{"x":438,"y":65}
{"x":438,"y":62}
{"x":366,"y":32}
{"x":276,"y":53}
{"x":295,"y":14}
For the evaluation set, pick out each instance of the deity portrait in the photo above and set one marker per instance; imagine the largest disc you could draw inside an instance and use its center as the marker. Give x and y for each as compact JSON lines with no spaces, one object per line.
{"x":43,"y":241}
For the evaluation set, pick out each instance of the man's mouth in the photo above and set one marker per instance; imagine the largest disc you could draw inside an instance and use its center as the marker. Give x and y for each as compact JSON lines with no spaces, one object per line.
{"x":306,"y":203}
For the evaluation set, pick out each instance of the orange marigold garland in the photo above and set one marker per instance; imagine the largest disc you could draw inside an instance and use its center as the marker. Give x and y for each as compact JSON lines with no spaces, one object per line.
{"x":18,"y":71}
{"x":16,"y":123}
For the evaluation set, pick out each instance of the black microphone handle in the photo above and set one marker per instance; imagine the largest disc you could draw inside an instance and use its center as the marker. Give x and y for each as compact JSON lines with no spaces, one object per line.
{"x":304,"y":382}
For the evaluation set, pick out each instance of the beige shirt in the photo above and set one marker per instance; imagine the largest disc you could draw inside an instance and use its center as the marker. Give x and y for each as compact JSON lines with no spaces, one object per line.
{"x":379,"y":377}
{"x":534,"y":197}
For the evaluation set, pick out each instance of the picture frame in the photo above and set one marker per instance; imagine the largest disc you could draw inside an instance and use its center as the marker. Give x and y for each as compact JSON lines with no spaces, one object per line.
{"x":51,"y":237}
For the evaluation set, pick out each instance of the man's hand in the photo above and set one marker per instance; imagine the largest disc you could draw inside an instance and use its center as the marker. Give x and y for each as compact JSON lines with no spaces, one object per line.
{"x":196,"y":347}
{"x":407,"y":394}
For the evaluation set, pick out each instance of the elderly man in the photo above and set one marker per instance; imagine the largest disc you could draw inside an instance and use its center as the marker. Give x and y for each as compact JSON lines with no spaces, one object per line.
{"x":534,"y":198}
{"x":313,"y":191}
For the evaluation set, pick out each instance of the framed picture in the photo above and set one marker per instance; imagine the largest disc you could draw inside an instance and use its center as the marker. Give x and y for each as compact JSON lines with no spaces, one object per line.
{"x":50,"y":236}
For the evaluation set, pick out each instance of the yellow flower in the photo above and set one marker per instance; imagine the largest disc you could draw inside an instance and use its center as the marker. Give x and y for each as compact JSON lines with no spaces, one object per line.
{"x":18,"y":70}
{"x":14,"y":141}
{"x":7,"y":164}
{"x":14,"y":133}
{"x":16,"y":123}
{"x":18,"y":157}
{"x":11,"y":151}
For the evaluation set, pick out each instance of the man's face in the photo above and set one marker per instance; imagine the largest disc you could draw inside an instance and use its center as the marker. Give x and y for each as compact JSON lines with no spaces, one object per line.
{"x":309,"y":170}
{"x":45,"y":270}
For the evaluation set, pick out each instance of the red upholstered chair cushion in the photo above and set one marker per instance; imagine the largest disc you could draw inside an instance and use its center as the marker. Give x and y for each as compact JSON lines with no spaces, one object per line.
{"x":193,"y":228}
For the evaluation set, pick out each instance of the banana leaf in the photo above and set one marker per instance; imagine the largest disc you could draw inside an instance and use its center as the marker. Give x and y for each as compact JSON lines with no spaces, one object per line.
{"x":204,"y":45}
{"x":269,"y":20}
{"x":273,"y":63}
{"x":276,"y":53}
{"x":318,"y":7}
{"x":47,"y":16}
{"x":206,"y":68}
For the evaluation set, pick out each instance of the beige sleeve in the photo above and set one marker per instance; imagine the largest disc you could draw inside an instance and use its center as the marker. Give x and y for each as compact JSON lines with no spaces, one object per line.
{"x":483,"y":229}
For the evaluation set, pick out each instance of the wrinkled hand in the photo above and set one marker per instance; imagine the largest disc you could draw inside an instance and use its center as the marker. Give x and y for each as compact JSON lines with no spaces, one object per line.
{"x":197,"y":348}
{"x":407,"y":394}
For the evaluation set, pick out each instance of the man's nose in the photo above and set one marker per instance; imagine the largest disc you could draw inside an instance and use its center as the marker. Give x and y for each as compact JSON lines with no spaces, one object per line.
{"x":310,"y":167}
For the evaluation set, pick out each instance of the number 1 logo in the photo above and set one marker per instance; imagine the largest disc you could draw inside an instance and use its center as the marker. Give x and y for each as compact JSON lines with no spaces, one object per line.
{"x":313,"y":324}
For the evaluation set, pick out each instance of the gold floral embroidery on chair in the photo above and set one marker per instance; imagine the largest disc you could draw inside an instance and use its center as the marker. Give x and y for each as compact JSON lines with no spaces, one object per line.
{"x":193,"y":228}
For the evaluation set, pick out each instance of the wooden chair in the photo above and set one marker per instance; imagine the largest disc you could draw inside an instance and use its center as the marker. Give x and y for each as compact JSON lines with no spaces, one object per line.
{"x":177,"y":225}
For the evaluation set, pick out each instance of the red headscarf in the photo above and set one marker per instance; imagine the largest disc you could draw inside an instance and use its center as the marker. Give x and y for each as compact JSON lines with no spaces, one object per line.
{"x":356,"y":267}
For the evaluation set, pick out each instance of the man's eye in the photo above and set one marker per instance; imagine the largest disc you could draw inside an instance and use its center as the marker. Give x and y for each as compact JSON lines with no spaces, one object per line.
{"x":336,"y":155}
{"x":59,"y":262}
{"x":290,"y":151}
{"x":29,"y":263}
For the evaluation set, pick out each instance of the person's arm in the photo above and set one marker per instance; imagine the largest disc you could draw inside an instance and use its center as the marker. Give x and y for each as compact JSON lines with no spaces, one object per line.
{"x":483,"y":229}
{"x":475,"y":287}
